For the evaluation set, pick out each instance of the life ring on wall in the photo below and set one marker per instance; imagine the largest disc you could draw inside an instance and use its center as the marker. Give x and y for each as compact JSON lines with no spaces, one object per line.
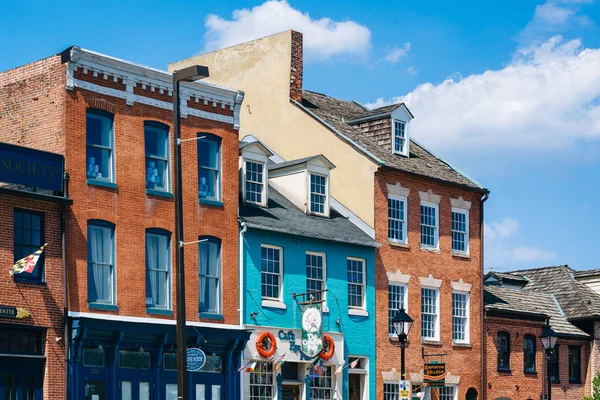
{"x":266,"y":344}
{"x":330,"y":346}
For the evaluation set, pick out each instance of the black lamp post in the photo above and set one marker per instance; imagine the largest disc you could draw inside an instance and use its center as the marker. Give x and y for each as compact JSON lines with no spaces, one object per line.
{"x":402,"y":323}
{"x":548,"y":338}
{"x":189,"y":74}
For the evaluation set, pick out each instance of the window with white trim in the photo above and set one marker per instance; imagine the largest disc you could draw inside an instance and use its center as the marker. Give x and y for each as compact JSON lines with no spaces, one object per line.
{"x":261,"y":381}
{"x":460,"y":317}
{"x":460,"y":230}
{"x":209,"y":167}
{"x":316,"y":274}
{"x":318,"y":194}
{"x":448,"y":393}
{"x":271,"y":272}
{"x":321,"y":386}
{"x":429,"y":225}
{"x":356,"y":282}
{"x":99,"y":145}
{"x":391,"y":391}
{"x":400,"y":138}
{"x":396,"y":301}
{"x":397,"y":219}
{"x":254,"y":182}
{"x":429,"y":314}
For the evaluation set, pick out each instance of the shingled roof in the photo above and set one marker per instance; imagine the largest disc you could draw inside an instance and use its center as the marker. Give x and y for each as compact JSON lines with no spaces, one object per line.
{"x":336,"y":113}
{"x":531,"y":305}
{"x":282,"y":215}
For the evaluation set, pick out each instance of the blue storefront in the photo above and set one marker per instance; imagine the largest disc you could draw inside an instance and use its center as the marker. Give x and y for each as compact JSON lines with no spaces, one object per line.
{"x":125,"y":360}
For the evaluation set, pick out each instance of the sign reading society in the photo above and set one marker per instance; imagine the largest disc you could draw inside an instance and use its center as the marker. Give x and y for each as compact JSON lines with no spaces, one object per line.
{"x":31,"y":168}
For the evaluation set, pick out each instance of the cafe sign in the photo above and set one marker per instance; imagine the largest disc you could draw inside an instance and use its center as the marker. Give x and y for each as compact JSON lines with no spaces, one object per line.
{"x":13,"y":312}
{"x":434,"y":374}
{"x":32,"y":168}
{"x":312,"y":329}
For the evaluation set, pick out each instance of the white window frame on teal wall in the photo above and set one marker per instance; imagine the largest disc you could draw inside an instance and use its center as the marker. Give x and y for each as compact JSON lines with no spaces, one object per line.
{"x":401,"y":219}
{"x":323,"y":295}
{"x":362,"y":309}
{"x":272,"y":301}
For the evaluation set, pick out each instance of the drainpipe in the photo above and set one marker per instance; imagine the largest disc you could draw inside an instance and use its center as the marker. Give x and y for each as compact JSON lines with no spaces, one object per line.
{"x":66,"y":334}
{"x":241,"y":293}
{"x":482,"y":306}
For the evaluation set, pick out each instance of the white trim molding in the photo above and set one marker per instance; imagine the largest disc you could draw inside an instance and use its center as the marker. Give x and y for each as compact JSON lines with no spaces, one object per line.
{"x":429,"y":197}
{"x":460,"y":203}
{"x":430,"y":282}
{"x":392,"y":376}
{"x":461,"y":286}
{"x":398,"y":277}
{"x":398,"y":190}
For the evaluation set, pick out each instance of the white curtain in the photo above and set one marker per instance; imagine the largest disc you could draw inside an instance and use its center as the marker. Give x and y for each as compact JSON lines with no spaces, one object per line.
{"x":96,"y":257}
{"x":152,"y":265}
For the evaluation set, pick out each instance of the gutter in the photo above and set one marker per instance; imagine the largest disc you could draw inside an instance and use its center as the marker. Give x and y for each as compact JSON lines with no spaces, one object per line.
{"x":482,"y":310}
{"x":241,"y":294}
{"x":63,"y":234}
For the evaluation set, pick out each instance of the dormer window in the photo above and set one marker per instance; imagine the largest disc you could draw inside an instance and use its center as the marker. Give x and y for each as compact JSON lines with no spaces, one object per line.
{"x":254,"y":182}
{"x":318,"y":194}
{"x":400,"y":138}
{"x":253,"y":172}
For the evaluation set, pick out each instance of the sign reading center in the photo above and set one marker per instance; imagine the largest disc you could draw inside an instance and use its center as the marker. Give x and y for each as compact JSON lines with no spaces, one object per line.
{"x":195,"y":359}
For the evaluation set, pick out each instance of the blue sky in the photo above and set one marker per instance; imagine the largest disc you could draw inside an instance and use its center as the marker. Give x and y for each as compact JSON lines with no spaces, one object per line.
{"x":507,"y":91}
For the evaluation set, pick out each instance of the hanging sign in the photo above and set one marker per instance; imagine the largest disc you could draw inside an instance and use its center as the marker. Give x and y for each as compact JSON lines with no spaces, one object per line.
{"x":312,"y":329}
{"x":434,"y":374}
{"x":195,"y":359}
{"x":13,"y":312}
{"x":405,"y":390}
{"x":32,"y":168}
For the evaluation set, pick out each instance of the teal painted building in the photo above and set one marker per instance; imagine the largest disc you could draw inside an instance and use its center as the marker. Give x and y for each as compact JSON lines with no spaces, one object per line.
{"x":289,"y":248}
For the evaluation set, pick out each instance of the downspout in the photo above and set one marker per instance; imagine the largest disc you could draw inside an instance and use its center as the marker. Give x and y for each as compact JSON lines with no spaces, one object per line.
{"x":482,"y":307}
{"x":241,"y":298}
{"x":66,"y":334}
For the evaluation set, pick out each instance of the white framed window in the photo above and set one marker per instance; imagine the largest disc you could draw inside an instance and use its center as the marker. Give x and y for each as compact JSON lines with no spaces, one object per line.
{"x":460,"y":230}
{"x":318,"y":194}
{"x":430,"y":324}
{"x":356,"y":282}
{"x":460,"y":317}
{"x":401,"y":144}
{"x":429,"y":225}
{"x":391,"y":390}
{"x":100,"y":144}
{"x":271,"y":261}
{"x":397,"y":213}
{"x":316,"y":275}
{"x":254,"y":182}
{"x":397,"y":299}
{"x":209,"y":167}
{"x":321,"y":386}
{"x":261,"y":381}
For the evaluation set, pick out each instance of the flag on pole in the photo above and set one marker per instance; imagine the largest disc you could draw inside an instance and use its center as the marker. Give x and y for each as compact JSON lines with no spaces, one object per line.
{"x":251,"y":367}
{"x":340,"y":367}
{"x":27,"y":264}
{"x":243,"y":367}
{"x":316,"y":361}
{"x":278,"y":362}
{"x":353,"y":363}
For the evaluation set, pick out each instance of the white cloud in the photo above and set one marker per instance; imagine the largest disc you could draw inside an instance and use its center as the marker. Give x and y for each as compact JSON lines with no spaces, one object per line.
{"x":395,"y":54}
{"x":412,"y":70}
{"x":552,"y":17}
{"x":546,"y":98}
{"x":323,"y":38}
{"x":504,"y":229}
{"x":528,"y":253}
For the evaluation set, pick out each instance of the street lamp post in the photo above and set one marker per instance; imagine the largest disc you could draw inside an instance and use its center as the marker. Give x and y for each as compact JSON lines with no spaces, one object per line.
{"x":548,"y":338}
{"x":402,"y":323}
{"x":189,"y":74}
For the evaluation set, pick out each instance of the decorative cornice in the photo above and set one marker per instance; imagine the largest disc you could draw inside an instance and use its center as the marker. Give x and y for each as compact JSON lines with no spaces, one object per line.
{"x":430,"y":197}
{"x":398,"y":277}
{"x":430,"y":281}
{"x":461,"y":286}
{"x":460,"y":203}
{"x":398,"y":190}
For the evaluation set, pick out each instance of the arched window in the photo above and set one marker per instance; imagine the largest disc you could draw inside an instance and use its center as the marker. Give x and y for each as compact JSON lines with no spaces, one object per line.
{"x":529,"y":353}
{"x":101,"y":264}
{"x":99,"y":134}
{"x":209,"y":276}
{"x":158,"y":155}
{"x":158,"y":270}
{"x":471,"y":394}
{"x":503,"y":351}
{"x":209,"y":167}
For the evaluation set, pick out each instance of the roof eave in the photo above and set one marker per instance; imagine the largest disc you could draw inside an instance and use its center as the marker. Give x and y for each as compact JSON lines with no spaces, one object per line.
{"x":439,"y":180}
{"x":492,"y":312}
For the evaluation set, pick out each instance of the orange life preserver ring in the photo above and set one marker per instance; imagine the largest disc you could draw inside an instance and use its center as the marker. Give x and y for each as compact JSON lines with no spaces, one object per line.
{"x":268,"y":350}
{"x":326,"y":355}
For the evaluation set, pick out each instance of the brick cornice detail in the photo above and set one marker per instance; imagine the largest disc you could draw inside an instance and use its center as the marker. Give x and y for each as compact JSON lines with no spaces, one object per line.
{"x":461,"y":286}
{"x":430,"y":197}
{"x":398,"y":190}
{"x":102,"y":215}
{"x":430,"y":281}
{"x":102,"y":104}
{"x":461,"y":203}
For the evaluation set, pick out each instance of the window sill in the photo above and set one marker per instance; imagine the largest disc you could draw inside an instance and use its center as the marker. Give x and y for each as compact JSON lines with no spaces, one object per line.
{"x":206,"y":315}
{"x":461,"y":255}
{"x":100,"y":306}
{"x":504,"y":370}
{"x":210,"y":202}
{"x":431,"y":342}
{"x":530,"y":372}
{"x":400,"y":245}
{"x":430,"y":250}
{"x":461,"y":345}
{"x":274,"y":304}
{"x":325,"y":310}
{"x":574,"y":382}
{"x":358,"y":312}
{"x":159,"y":311}
{"x":95,"y":182}
{"x":29,"y":281}
{"x":159,"y":193}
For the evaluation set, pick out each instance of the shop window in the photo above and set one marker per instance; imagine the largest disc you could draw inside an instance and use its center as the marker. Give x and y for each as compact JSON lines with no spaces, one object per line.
{"x":261,"y":381}
{"x":93,"y":357}
{"x":134,"y":359}
{"x":20,"y":341}
{"x":321,"y":386}
{"x":170,"y":361}
{"x":28,"y":238}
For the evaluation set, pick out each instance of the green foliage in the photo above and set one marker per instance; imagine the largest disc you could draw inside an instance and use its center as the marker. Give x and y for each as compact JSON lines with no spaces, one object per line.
{"x":595,"y":388}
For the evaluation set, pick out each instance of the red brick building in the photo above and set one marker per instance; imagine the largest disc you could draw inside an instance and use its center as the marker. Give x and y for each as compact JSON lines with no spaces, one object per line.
{"x":112,"y":121}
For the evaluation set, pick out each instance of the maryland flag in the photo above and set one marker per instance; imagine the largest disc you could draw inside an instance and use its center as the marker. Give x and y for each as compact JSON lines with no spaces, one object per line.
{"x":27,"y":264}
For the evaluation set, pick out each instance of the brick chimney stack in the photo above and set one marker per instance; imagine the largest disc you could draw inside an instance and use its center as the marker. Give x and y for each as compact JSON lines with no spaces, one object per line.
{"x":296,"y":67}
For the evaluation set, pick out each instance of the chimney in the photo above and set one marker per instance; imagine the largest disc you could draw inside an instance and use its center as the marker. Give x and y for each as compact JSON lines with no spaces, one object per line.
{"x":296,"y":67}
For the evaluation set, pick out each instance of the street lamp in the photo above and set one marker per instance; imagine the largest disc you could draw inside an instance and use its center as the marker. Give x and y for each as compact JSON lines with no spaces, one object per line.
{"x":402,"y":323}
{"x":548,"y":338}
{"x":189,"y":74}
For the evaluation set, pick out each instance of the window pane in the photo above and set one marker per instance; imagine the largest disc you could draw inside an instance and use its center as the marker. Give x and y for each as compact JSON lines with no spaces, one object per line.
{"x":254,"y":182}
{"x":262,"y":381}
{"x":207,"y":186}
{"x":156,"y":174}
{"x":28,"y":238}
{"x":315,"y":275}
{"x":156,"y":141}
{"x":100,"y":263}
{"x":208,"y":153}
{"x":99,"y":129}
{"x":209,"y":270}
{"x":396,"y":219}
{"x":317,"y":193}
{"x":99,"y":163}
{"x":396,"y":295}
{"x":429,"y":313}
{"x":270,"y":268}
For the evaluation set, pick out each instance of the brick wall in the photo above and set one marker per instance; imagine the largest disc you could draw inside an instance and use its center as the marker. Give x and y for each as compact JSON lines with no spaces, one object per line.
{"x":517,"y":384}
{"x":133,"y":211}
{"x":296,"y":67}
{"x":462,"y":361}
{"x":44,"y":301}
